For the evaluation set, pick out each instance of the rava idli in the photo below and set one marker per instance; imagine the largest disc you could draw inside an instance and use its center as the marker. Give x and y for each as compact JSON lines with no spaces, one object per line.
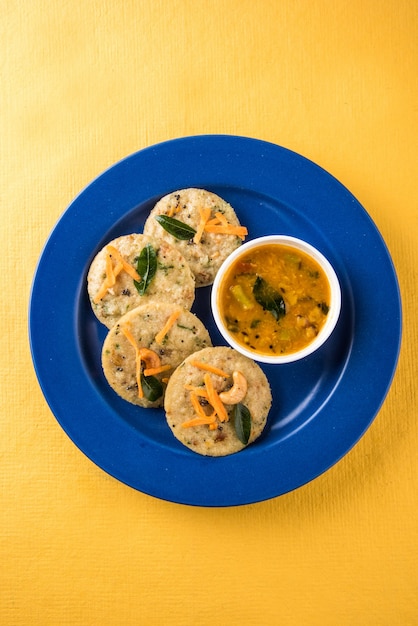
{"x":201,"y":225}
{"x":133,"y":269}
{"x":217,"y":401}
{"x":145,"y":346}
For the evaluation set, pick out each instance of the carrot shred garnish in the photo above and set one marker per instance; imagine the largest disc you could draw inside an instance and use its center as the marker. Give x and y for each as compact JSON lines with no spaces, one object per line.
{"x":209,"y":368}
{"x":126,"y":266}
{"x":138,"y":376}
{"x":129,"y":336}
{"x":198,"y":421}
{"x":152,"y":371}
{"x":198,"y":407}
{"x":117,"y":269}
{"x":199,"y":391}
{"x":218,"y":220}
{"x":214,"y":399}
{"x":202,"y":418}
{"x":221,"y":218}
{"x":219,"y":224}
{"x":131,"y":271}
{"x":109,"y":280}
{"x":167,"y":326}
{"x":113,"y":272}
{"x":229,"y":229}
{"x":101,"y":293}
{"x":204,"y":216}
{"x":210,"y":394}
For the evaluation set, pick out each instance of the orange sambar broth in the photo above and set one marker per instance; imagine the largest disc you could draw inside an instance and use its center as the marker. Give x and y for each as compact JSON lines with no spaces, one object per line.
{"x":300,"y":281}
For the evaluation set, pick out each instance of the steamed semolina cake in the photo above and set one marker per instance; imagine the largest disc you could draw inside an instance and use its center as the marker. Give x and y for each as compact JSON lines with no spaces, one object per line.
{"x":133,"y":269}
{"x":217,"y":401}
{"x":202,"y":226}
{"x":144,"y":347}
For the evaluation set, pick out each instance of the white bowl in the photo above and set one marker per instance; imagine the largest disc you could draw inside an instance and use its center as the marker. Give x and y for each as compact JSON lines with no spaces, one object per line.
{"x":334,"y":307}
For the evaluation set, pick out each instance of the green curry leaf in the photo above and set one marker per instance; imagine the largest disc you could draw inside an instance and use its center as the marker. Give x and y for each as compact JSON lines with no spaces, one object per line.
{"x":174,"y":227}
{"x":242,"y":422}
{"x":269,"y":298}
{"x":151,"y":387}
{"x":146,"y":267}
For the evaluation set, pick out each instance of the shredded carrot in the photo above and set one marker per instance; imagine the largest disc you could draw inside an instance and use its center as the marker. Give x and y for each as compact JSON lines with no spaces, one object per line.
{"x":117,"y":269}
{"x":204,"y":216}
{"x":169,"y":323}
{"x":199,"y":391}
{"x":129,"y":336}
{"x":126,"y":266}
{"x":228,"y":229}
{"x":198,"y":407}
{"x":198,"y":421}
{"x":218,"y":219}
{"x":131,"y":271}
{"x":138,"y":376}
{"x":209,"y":393}
{"x":219,"y":224}
{"x":210,"y":368}
{"x":214,"y":399}
{"x":202,"y":418}
{"x":101,"y":293}
{"x":113,"y":272}
{"x":221,"y":218}
{"x":152,"y":371}
{"x":109,"y":281}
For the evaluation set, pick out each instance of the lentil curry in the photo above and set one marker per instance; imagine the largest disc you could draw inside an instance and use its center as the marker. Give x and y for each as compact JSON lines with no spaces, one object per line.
{"x":275,"y":299}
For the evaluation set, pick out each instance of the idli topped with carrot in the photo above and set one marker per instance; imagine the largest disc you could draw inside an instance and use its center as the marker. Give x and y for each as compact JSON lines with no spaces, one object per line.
{"x":133,"y":269}
{"x":201,"y":225}
{"x":144,"y":347}
{"x":217,"y":401}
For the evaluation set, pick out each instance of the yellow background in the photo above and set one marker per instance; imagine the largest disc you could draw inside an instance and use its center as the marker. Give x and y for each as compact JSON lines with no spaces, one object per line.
{"x":85,"y":83}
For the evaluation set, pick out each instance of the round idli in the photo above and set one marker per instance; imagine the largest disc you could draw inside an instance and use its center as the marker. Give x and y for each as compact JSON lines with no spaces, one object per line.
{"x":143,"y":348}
{"x":133,"y":269}
{"x":217,"y":401}
{"x":201,"y":225}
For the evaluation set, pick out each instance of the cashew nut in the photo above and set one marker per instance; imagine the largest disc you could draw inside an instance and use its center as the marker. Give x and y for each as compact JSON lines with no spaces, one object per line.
{"x":238,"y":390}
{"x":149,"y":357}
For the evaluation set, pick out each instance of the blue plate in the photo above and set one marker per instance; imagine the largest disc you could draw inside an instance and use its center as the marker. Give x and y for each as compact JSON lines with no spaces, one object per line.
{"x":322,"y":405}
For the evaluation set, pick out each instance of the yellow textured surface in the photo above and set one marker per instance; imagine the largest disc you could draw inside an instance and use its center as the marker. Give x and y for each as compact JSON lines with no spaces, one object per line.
{"x":87,"y":83}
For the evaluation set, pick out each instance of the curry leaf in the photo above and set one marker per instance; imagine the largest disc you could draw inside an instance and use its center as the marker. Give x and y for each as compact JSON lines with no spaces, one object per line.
{"x":269,"y":298}
{"x":242,"y":422}
{"x":178,"y":229}
{"x":151,"y":387}
{"x":146,"y":267}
